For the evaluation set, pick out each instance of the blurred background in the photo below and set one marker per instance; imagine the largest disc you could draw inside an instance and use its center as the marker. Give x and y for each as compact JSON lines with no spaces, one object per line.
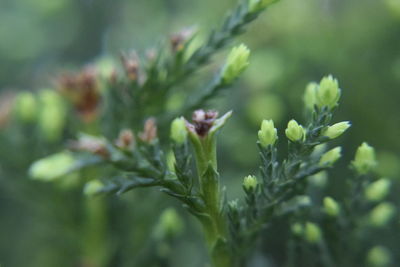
{"x":293,"y":43}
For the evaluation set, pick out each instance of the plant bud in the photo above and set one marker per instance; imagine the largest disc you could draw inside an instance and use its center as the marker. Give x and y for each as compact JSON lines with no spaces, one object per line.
{"x":237,"y":62}
{"x":178,"y":131}
{"x":336,"y":130}
{"x":331,"y":156}
{"x":93,"y":187}
{"x":294,"y":131}
{"x":250,"y":183}
{"x":331,"y":207}
{"x":258,"y":5}
{"x":25,"y":107}
{"x":378,"y":190}
{"x":52,"y":167}
{"x":364,"y":160}
{"x":312,"y":233}
{"x":309,"y":97}
{"x":170,"y":225}
{"x":297,"y":229}
{"x":378,"y":256}
{"x":52,"y":115}
{"x":267,"y":135}
{"x":382,"y":214}
{"x":328,"y":92}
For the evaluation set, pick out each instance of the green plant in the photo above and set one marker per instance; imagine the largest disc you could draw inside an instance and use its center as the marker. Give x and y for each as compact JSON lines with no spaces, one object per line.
{"x":137,"y":157}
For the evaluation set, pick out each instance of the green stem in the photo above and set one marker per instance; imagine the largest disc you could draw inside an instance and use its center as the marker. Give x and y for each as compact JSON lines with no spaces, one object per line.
{"x":95,"y":243}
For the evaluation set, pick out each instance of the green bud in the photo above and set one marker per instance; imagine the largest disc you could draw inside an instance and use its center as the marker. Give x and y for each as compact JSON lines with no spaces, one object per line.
{"x":328,"y":92}
{"x":93,"y":187}
{"x":237,"y":62}
{"x":25,"y":107}
{"x":294,"y":131}
{"x":258,"y":5}
{"x":331,"y":207}
{"x":319,"y":180}
{"x":382,"y":214}
{"x":310,"y":98}
{"x":312,"y":233}
{"x":52,"y":116}
{"x":250,"y":183}
{"x":378,"y":256}
{"x":170,"y":225}
{"x":52,"y":167}
{"x":178,"y":131}
{"x":336,"y":130}
{"x":330,"y":157}
{"x":364,"y":160}
{"x":378,"y":190}
{"x":297,"y":229}
{"x":267,"y":135}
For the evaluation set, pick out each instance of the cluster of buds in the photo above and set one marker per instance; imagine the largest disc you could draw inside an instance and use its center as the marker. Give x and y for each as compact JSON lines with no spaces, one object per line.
{"x":295,"y":132}
{"x":82,"y":90}
{"x":325,"y":94}
{"x":267,"y":135}
{"x":364,"y":160}
{"x":237,"y":62}
{"x":330,"y":157}
{"x":250,"y":183}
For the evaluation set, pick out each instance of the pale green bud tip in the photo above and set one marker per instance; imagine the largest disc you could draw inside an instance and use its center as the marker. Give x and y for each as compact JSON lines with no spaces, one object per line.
{"x":331,"y":207}
{"x":294,"y":131}
{"x":52,"y":167}
{"x":178,"y":131}
{"x":25,"y":106}
{"x":250,"y":182}
{"x":237,"y":62}
{"x":328,"y":92}
{"x":378,"y":256}
{"x":312,"y":232}
{"x":337,"y":129}
{"x":331,"y":156}
{"x":297,"y":229}
{"x":310,"y":98}
{"x":169,"y":225}
{"x":93,"y":187}
{"x":267,"y":135}
{"x":258,"y":5}
{"x":382,"y":214}
{"x":378,"y":190}
{"x":364,"y":160}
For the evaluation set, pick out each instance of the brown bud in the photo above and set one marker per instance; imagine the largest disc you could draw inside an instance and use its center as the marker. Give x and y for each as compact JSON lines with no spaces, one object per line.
{"x":82,"y":90}
{"x":178,"y":40}
{"x":202,"y":121}
{"x":149,"y":133}
{"x":126,"y":139}
{"x":90,"y":144}
{"x":130,"y":63}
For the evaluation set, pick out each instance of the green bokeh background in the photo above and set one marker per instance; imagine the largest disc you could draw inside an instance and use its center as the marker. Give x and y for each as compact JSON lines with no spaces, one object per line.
{"x":293,"y":43}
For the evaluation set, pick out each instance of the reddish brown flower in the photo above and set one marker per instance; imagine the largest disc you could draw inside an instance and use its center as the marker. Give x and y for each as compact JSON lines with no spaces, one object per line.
{"x":202,"y":121}
{"x":82,"y":91}
{"x":149,"y":133}
{"x":126,"y":139}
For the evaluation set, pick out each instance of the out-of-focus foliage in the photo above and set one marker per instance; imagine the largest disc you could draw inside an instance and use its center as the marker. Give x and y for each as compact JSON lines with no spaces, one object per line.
{"x":297,"y":41}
